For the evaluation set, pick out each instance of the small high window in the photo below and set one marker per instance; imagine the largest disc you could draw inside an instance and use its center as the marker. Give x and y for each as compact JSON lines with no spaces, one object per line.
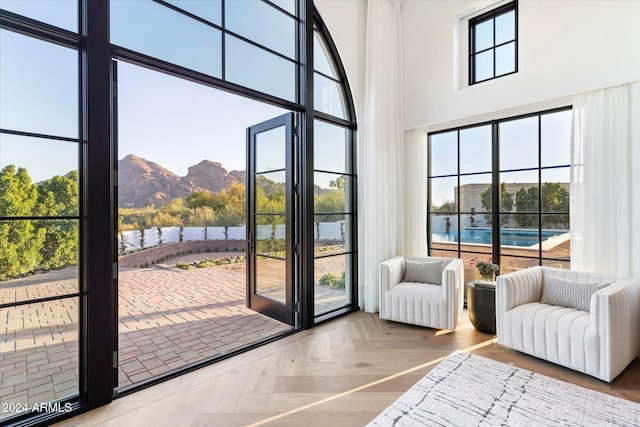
{"x":493,"y":44}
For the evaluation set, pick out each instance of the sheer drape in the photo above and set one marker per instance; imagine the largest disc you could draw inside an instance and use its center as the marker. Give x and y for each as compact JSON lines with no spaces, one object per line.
{"x":415,"y":192}
{"x":381,"y":155}
{"x":605,"y":181}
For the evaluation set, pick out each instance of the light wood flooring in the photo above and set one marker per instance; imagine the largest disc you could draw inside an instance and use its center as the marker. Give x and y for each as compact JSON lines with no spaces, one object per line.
{"x":342,"y":373}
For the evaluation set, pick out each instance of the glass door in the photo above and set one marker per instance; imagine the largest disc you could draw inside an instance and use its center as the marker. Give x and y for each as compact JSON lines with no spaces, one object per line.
{"x":270,"y":218}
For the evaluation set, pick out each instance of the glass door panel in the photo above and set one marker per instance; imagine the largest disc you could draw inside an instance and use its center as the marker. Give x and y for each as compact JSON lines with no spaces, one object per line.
{"x":270,"y":218}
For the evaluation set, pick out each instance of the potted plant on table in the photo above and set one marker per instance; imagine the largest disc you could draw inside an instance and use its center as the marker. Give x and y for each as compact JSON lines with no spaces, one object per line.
{"x":487,"y":270}
{"x":481,"y":297}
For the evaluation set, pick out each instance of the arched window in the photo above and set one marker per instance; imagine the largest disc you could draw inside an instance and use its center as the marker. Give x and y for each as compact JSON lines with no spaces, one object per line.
{"x":87,"y":86}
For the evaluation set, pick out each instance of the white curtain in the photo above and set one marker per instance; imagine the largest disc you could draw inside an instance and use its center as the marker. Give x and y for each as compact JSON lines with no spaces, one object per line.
{"x":415,"y":192}
{"x":605,"y":181}
{"x":380,"y":151}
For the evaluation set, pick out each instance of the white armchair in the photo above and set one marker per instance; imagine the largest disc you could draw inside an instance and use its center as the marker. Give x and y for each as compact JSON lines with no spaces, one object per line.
{"x":418,"y":303}
{"x":600,"y":342}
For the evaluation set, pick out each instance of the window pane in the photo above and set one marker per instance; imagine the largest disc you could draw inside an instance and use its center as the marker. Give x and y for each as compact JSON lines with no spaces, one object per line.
{"x":505,"y":27}
{"x":483,"y":66}
{"x":211,"y":10}
{"x":271,"y":150}
{"x":472,"y":221}
{"x":443,"y":194}
{"x":564,"y":264}
{"x":272,"y":185}
{"x":270,"y":238}
{"x":46,"y":246}
{"x":328,"y":97}
{"x":288,"y":5}
{"x":556,"y":138}
{"x":332,"y":281}
{"x":523,"y":190}
{"x":263,"y":24}
{"x":331,"y":150}
{"x":475,"y":238}
{"x":483,"y":35}
{"x":444,"y":154}
{"x":511,"y":264}
{"x":47,"y":158}
{"x":552,"y":223}
{"x":519,"y":144}
{"x":258,"y":69}
{"x":332,"y":234}
{"x":555,"y":190}
{"x":39,"y":86}
{"x":506,"y":59}
{"x":475,"y":149}
{"x":475,"y":193}
{"x":61,"y":13}
{"x":30,"y":245}
{"x":322,"y":56}
{"x":271,"y":278}
{"x":41,"y":341}
{"x":155,"y":30}
{"x":444,"y":228}
{"x":332,"y":193}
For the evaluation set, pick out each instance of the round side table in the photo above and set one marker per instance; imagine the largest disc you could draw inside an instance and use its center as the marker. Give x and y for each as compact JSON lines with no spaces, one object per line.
{"x":481,"y":303}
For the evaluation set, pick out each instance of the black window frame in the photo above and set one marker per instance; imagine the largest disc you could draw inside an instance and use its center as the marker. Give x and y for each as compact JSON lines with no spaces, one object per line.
{"x":97,"y":290}
{"x":496,"y":171}
{"x":491,"y":16}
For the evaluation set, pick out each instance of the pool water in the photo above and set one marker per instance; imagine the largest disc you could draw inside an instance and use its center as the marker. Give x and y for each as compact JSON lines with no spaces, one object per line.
{"x":508,"y":236}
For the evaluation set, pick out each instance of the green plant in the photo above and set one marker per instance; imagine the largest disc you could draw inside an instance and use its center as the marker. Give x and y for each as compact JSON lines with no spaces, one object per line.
{"x":331,"y":281}
{"x":487,"y":269}
{"x":209,"y":262}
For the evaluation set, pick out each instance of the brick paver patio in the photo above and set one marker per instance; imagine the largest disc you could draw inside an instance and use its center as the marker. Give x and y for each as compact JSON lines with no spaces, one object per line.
{"x":169,"y":318}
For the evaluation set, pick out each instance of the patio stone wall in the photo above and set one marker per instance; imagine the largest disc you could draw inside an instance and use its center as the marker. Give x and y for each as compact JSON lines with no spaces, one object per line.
{"x":157,"y":254}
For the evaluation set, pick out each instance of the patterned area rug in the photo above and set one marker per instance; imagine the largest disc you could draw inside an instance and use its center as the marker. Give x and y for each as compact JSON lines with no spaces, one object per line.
{"x":470,"y":390}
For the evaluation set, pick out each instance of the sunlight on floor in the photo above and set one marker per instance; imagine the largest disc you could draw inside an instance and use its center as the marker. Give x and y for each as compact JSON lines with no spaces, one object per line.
{"x":458,"y":328}
{"x":371,"y":384}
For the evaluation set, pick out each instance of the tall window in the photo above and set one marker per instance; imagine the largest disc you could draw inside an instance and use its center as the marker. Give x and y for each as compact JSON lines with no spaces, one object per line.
{"x":75,"y":77}
{"x":500,"y":191}
{"x":40,"y":219}
{"x":493,"y":44}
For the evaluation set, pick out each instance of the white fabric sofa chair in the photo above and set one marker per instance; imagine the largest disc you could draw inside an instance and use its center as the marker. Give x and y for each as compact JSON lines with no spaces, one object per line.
{"x":600,"y":342}
{"x":421,"y":302}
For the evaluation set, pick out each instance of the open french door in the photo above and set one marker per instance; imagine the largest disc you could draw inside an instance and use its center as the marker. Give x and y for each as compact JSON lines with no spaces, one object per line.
{"x":270,"y":218}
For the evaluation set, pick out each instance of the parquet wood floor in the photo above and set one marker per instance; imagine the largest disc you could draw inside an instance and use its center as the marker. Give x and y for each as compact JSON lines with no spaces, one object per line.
{"x":342,"y":373}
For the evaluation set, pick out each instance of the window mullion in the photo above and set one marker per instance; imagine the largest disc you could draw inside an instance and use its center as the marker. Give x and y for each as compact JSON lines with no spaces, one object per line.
{"x":495,"y":191}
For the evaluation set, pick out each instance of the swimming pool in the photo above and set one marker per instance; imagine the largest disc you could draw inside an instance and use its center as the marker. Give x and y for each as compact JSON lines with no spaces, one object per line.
{"x":508,"y":236}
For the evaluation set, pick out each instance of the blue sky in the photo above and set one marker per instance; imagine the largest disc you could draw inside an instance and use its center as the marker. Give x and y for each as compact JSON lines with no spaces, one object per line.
{"x":177,"y":123}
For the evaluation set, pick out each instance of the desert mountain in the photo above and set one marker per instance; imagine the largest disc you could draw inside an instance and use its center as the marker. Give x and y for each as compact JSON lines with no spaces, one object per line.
{"x":145,"y":183}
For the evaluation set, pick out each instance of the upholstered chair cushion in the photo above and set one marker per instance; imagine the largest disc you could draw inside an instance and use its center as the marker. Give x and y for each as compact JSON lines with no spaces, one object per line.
{"x":405,"y":297}
{"x":424,"y":271}
{"x":569,"y":293}
{"x":600,"y":342}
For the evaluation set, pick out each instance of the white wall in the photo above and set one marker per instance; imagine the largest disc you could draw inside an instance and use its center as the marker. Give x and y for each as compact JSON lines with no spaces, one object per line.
{"x":347,"y":21}
{"x":565,"y":48}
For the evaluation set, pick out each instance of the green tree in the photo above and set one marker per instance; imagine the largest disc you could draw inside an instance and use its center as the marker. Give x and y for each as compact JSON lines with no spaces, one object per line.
{"x":338,"y":183}
{"x":228,"y":217}
{"x":20,"y":240}
{"x":204,"y":217}
{"x":58,"y":196}
{"x":331,"y":201}
{"x":527,"y":201}
{"x":198,"y":199}
{"x":506,"y":203}
{"x":555,"y":198}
